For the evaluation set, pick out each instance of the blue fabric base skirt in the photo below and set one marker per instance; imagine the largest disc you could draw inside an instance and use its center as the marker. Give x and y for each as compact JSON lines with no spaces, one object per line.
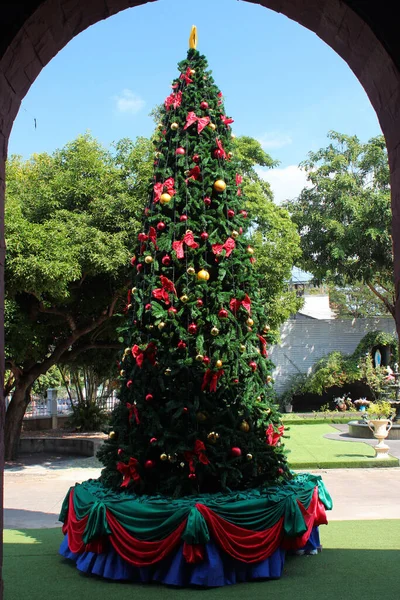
{"x":216,"y":570}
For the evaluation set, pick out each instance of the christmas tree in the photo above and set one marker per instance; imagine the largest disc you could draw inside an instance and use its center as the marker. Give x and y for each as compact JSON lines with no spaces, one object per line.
{"x":195,"y":412}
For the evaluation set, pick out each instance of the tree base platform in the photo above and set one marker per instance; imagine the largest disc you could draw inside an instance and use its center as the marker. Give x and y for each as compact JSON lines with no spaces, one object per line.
{"x":209,"y":540}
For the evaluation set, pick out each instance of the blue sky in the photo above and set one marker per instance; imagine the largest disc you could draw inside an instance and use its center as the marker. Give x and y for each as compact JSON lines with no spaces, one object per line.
{"x":281,"y":83}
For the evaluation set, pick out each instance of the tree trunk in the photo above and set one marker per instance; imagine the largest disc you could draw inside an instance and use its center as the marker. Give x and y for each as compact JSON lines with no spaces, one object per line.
{"x":14,"y":416}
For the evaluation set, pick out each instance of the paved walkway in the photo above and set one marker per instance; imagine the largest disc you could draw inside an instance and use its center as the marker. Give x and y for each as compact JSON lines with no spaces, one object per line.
{"x":34,"y":491}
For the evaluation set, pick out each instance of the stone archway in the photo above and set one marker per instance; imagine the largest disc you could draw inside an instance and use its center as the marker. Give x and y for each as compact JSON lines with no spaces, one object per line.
{"x":37,"y":30}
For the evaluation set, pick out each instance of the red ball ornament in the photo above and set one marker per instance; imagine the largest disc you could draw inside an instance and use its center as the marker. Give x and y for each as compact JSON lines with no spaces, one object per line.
{"x":183,"y":218}
{"x":120,"y":451}
{"x":206,"y":360}
{"x":223,"y":313}
{"x":149,"y":397}
{"x":253,"y":365}
{"x":146,"y":211}
{"x":243,"y":213}
{"x":133,"y":260}
{"x":231,"y":213}
{"x":180,"y":151}
{"x":185,"y":410}
{"x":218,"y":153}
{"x":235,"y":381}
{"x":181,"y":345}
{"x":148,"y":307}
{"x":235,"y":451}
{"x":172,"y":310}
{"x":204,"y":235}
{"x":166,"y":260}
{"x":149,"y":464}
{"x":240,"y":229}
{"x":192,"y":475}
{"x":129,"y":383}
{"x":192,"y":329}
{"x":199,"y":302}
{"x":139,"y":267}
{"x":196,"y":158}
{"x":207,"y":201}
{"x":161,"y":226}
{"x":204,"y":105}
{"x":153,"y":440}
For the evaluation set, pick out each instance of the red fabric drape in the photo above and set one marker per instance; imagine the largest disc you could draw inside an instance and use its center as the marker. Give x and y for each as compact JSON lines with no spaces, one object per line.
{"x":242,"y":544}
{"x":314,"y":515}
{"x":138,"y":552}
{"x":74,"y":528}
{"x":193,"y":553}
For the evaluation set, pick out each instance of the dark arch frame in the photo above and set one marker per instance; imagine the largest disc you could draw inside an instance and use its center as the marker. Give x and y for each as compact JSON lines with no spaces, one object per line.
{"x":363,"y":33}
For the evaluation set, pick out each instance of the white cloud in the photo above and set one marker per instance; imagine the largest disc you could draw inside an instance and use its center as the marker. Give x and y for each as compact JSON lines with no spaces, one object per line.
{"x":274,"y":139}
{"x":286,"y":183}
{"x":129,"y":102}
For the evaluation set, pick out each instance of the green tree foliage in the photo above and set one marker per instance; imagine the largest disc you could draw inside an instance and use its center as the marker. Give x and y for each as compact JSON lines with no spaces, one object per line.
{"x":71,"y":218}
{"x":356,"y":302}
{"x":195,"y":374}
{"x":344,"y":219}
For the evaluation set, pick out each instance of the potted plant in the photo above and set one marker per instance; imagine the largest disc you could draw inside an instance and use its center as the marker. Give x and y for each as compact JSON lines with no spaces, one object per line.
{"x":340,"y":402}
{"x":378,"y":417}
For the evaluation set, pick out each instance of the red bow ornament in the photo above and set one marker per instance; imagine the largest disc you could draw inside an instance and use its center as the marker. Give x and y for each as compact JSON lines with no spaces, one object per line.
{"x":149,"y":353}
{"x":163,"y":293}
{"x":273,"y":436}
{"x":239,"y":180}
{"x":129,"y":471}
{"x":133,"y":412}
{"x":229,"y":246}
{"x":211,"y":379}
{"x":263,"y":342}
{"x":198,"y":452}
{"x":187,"y":239}
{"x":173,"y":100}
{"x":220,"y":148}
{"x":226,"y":120}
{"x":168,"y":184}
{"x":194,"y":174}
{"x":235,"y":304}
{"x":201,"y":121}
{"x":186,"y":77}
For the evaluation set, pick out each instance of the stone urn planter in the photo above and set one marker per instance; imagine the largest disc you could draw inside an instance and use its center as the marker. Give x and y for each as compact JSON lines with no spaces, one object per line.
{"x":380,"y":428}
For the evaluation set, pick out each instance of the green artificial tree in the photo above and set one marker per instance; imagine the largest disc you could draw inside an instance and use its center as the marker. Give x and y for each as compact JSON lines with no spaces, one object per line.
{"x":195,"y":412}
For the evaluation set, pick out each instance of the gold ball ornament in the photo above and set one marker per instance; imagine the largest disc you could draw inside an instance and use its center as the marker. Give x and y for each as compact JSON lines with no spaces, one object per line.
{"x":259,"y":399}
{"x":182,"y":464}
{"x":242,"y":348}
{"x":184,"y":298}
{"x":218,"y":364}
{"x":150,"y":326}
{"x":161,"y":325}
{"x":212,"y":437}
{"x":148,"y":260}
{"x":269,"y":379}
{"x":163,"y":456}
{"x":112,"y":435}
{"x":167,"y":372}
{"x":250,"y":322}
{"x":249,"y":456}
{"x":165,"y":198}
{"x":192,"y":72}
{"x":219,"y":185}
{"x":250,"y":250}
{"x":212,"y":126}
{"x":172,"y":458}
{"x":203,"y":275}
{"x":191,"y":271}
{"x":134,"y":290}
{"x":160,"y":126}
{"x":129,"y":306}
{"x":244,"y":426}
{"x":266,"y":328}
{"x":122,"y":372}
{"x":174,"y":126}
{"x":199,"y":358}
{"x":235,"y":234}
{"x":230,"y":154}
{"x":214,"y":331}
{"x":201,"y":417}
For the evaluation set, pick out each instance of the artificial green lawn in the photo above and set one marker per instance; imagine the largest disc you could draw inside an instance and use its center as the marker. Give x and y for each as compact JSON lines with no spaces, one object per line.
{"x":359,"y":561}
{"x":310,"y":450}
